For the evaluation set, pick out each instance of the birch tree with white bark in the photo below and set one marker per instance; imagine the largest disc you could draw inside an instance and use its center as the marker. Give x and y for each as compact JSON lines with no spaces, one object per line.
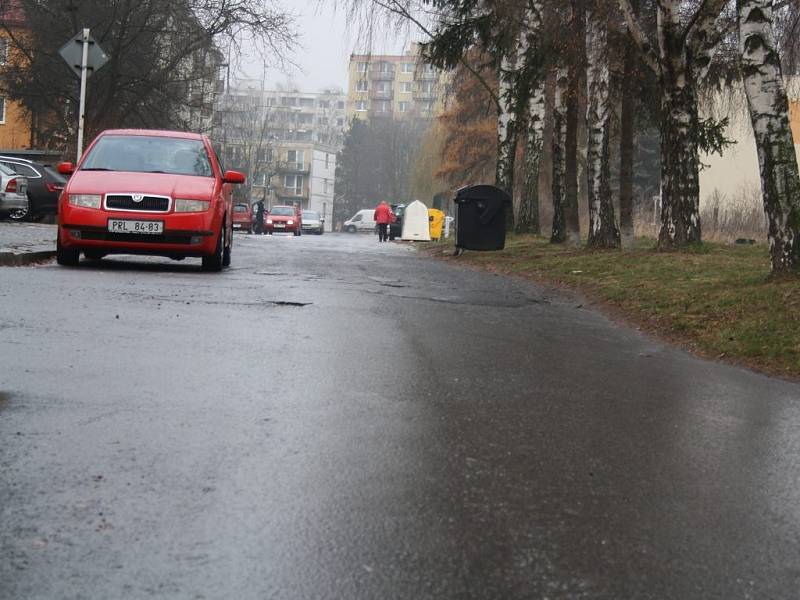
{"x":603,"y":232}
{"x":686,"y":42}
{"x":769,"y":110}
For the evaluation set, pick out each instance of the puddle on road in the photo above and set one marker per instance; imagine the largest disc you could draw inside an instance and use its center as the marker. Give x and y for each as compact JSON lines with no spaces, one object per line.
{"x":5,"y":399}
{"x":288,"y":303}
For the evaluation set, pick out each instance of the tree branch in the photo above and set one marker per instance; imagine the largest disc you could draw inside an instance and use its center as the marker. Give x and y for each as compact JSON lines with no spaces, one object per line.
{"x":649,"y":56}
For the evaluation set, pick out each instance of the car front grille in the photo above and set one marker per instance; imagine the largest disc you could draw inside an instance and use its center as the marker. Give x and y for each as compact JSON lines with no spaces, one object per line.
{"x":146,"y":204}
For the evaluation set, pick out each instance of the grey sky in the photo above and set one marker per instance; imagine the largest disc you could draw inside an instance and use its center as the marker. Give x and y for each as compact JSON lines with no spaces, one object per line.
{"x":326,"y":43}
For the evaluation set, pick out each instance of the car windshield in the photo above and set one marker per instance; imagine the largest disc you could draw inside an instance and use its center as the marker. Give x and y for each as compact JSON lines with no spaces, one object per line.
{"x":282,"y":211}
{"x":310,"y":214}
{"x":240,"y":208}
{"x":149,"y":154}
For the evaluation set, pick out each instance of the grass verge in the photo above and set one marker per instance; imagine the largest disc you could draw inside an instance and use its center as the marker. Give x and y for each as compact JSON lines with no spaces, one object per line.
{"x":716,"y":300}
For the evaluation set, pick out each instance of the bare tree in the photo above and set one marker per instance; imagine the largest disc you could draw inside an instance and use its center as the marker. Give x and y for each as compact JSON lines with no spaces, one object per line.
{"x":164,"y":63}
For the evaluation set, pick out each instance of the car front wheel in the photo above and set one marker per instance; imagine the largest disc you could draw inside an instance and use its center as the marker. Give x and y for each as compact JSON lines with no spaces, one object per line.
{"x":214,"y":262}
{"x":68,"y":257}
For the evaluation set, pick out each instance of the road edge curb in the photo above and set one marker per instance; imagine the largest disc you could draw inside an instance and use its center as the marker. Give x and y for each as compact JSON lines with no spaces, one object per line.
{"x":10,"y":259}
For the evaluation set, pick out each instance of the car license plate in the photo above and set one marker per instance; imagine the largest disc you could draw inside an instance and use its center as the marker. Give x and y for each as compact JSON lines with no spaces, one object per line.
{"x":280,"y":225}
{"x":128,"y":226}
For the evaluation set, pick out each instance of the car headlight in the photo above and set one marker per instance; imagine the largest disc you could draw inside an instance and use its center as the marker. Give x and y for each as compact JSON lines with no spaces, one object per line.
{"x":183,"y":205}
{"x":85,"y":200}
{"x":290,"y":222}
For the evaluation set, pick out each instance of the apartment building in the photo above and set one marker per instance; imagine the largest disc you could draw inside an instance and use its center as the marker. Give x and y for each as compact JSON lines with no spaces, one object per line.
{"x":394,"y":86}
{"x":286,"y":142}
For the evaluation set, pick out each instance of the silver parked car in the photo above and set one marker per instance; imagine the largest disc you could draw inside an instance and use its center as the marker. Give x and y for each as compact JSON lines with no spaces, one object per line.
{"x":312,"y":222}
{"x":13,"y":191}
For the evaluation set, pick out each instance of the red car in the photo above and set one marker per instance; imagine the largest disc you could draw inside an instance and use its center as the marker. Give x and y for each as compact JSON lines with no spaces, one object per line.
{"x":243,"y":217}
{"x":283,"y":219}
{"x":140,"y":191}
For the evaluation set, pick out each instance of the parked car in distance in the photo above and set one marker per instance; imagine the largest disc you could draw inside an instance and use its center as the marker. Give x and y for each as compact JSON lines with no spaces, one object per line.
{"x":283,"y":219}
{"x":363,"y":220}
{"x":13,"y":192}
{"x":312,"y":222}
{"x":45,"y":185}
{"x":139,"y":191}
{"x":243,"y":217}
{"x":396,"y":226}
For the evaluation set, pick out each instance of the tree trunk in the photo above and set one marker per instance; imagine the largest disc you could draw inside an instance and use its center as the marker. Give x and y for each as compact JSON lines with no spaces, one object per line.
{"x":769,"y":109}
{"x":506,"y":135}
{"x":603,"y":232}
{"x":680,"y":189}
{"x":528,"y":221}
{"x":627,"y":117}
{"x":680,"y":168}
{"x":572,"y":219}
{"x":559,"y":232}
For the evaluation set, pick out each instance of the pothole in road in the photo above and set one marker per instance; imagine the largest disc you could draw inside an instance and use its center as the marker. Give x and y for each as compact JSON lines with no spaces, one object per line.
{"x":288,"y":303}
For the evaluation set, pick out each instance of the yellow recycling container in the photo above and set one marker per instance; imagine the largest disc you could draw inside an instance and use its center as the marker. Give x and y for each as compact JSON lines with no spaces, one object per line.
{"x":436,"y":220}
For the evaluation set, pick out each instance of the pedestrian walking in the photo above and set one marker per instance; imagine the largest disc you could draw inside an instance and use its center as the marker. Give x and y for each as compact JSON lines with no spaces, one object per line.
{"x":259,"y":217}
{"x":383,"y":216}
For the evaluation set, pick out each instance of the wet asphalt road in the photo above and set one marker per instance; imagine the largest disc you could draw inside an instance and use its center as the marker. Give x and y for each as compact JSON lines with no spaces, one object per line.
{"x":334,"y":418}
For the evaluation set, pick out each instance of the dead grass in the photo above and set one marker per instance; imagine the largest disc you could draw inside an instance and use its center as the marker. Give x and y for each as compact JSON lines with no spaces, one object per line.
{"x":716,"y":299}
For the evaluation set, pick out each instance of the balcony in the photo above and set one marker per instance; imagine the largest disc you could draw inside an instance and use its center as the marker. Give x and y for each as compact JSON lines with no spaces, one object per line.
{"x":290,"y":193}
{"x":381,"y":72}
{"x":425,"y":94}
{"x":381,"y":114}
{"x":426,"y":75}
{"x":377,"y":94}
{"x":292,"y":167}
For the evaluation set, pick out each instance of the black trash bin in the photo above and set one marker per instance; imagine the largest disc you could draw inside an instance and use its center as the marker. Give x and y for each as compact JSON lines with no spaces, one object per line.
{"x":481,"y":217}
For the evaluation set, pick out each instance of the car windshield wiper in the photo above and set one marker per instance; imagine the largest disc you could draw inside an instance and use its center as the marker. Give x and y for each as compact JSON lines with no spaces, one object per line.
{"x":95,"y":169}
{"x":155,"y":171}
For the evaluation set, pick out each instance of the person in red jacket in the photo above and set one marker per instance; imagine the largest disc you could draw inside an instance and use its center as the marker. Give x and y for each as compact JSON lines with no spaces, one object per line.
{"x":383,"y":216}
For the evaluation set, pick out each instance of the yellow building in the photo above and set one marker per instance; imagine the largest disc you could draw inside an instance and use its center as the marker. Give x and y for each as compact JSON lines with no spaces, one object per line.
{"x":394,"y":86}
{"x":15,"y":121}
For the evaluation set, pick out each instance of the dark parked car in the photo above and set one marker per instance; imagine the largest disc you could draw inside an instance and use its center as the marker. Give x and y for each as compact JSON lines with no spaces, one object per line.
{"x":45,"y":184}
{"x":396,"y":227}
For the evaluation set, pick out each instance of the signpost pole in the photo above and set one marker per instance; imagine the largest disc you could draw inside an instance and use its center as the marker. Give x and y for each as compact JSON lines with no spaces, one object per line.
{"x":82,"y":105}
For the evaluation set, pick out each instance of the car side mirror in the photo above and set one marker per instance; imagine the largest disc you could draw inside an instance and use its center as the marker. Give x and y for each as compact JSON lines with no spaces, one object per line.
{"x":233,"y":177}
{"x":66,"y":168}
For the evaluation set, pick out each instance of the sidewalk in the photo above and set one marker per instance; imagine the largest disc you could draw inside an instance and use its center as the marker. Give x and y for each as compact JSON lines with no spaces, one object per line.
{"x":24,"y":243}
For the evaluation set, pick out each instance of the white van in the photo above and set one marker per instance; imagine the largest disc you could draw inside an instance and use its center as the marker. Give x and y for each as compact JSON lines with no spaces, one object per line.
{"x":363,"y":220}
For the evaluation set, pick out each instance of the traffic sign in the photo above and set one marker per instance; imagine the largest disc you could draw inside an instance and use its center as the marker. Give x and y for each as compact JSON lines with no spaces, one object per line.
{"x":72,"y":53}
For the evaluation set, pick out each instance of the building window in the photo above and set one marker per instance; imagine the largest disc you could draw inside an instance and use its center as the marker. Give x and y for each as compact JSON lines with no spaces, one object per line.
{"x":327,"y":160}
{"x":408,"y":67}
{"x":361,"y":85}
{"x":2,"y":111}
{"x":3,"y":51}
{"x":383,"y":106}
{"x":295,"y":158}
{"x":427,"y":87}
{"x":293,"y":184}
{"x":403,"y":107}
{"x":260,"y":178}
{"x":306,"y":102}
{"x":361,"y":105}
{"x":385,"y":67}
{"x":340,"y":105}
{"x":384,"y":86}
{"x":324,"y":104}
{"x":340,"y":122}
{"x":264,"y":155}
{"x":362,"y":67}
{"x":406,"y":87}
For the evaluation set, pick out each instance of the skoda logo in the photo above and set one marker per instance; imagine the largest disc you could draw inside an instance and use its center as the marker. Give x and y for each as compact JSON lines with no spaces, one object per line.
{"x":138,"y":197}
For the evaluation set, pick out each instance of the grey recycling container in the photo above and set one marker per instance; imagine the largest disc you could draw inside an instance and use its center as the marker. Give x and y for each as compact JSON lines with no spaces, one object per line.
{"x":481,"y":217}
